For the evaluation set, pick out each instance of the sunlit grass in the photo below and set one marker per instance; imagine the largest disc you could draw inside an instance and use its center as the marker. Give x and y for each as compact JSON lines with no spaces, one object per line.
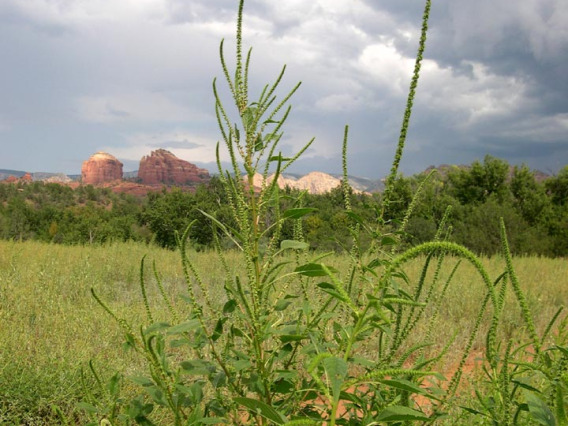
{"x":50,"y":325}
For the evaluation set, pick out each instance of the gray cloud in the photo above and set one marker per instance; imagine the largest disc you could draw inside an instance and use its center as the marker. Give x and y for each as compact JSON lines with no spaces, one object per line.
{"x":82,"y":76}
{"x":185,"y":144}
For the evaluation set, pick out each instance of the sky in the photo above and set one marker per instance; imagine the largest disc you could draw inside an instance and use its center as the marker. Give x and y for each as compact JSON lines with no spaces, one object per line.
{"x":131,"y":76}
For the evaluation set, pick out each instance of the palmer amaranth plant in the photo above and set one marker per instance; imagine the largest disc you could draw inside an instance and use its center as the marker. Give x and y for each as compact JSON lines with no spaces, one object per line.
{"x":296,"y":341}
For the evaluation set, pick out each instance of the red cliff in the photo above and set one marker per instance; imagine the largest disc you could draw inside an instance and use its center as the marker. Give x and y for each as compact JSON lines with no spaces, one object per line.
{"x":100,"y":168}
{"x":163,"y":167}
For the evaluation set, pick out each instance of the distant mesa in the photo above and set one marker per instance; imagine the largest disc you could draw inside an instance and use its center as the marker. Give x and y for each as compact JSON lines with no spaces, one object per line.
{"x":163,"y":167}
{"x":100,"y":168}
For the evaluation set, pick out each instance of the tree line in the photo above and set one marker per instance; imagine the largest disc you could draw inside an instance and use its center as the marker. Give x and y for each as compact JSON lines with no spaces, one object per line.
{"x":535,"y":211}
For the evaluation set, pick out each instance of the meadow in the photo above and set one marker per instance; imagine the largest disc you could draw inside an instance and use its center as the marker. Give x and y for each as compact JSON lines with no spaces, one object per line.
{"x":51,"y":326}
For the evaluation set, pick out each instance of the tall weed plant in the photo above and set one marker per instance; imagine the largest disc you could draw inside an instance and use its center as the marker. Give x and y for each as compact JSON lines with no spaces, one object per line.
{"x":295,"y":341}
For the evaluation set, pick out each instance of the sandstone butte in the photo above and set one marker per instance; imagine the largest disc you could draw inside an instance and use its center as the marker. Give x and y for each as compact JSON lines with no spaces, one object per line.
{"x":163,"y":167}
{"x":101,"y":168}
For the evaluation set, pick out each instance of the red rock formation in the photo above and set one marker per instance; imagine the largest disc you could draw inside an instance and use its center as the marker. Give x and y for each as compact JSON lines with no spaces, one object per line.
{"x":27,"y":178}
{"x":163,"y":167}
{"x":10,"y":179}
{"x":101,"y":167}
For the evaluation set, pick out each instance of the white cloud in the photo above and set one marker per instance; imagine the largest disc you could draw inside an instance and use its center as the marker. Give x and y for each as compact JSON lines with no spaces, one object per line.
{"x":339,"y":102}
{"x":475,"y":96}
{"x":388,"y":68}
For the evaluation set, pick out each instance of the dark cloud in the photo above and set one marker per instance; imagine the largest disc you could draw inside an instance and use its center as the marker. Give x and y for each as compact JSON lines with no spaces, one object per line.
{"x":81,"y":76}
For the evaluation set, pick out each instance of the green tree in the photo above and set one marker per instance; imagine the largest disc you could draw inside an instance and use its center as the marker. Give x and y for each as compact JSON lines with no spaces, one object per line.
{"x":480,"y":181}
{"x":557,"y":187}
{"x":168,"y":212}
{"x":530,"y":197}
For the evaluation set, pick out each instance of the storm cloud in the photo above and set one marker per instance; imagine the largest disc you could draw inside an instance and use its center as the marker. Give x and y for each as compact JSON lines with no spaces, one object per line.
{"x":129,"y":76}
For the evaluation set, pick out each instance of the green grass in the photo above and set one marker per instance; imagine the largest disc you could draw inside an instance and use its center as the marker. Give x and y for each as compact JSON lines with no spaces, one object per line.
{"x":50,"y":325}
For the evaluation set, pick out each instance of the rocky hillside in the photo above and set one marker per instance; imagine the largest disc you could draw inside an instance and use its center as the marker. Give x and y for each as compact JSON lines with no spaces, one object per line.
{"x":163,"y":167}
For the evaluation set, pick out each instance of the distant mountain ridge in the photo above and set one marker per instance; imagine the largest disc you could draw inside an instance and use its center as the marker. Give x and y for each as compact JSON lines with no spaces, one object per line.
{"x":315,"y":182}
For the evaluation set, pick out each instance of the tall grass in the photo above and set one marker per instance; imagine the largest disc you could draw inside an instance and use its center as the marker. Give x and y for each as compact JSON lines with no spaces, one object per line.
{"x":42,"y":343}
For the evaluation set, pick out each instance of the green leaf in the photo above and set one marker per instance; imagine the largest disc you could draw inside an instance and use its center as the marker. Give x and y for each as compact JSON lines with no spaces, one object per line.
{"x":114,"y":384}
{"x":524,"y":383}
{"x":258,"y":144}
{"x":87,"y":407}
{"x":314,"y":270}
{"x":398,"y":413}
{"x":564,"y":350}
{"x":282,"y":304}
{"x":291,"y":338}
{"x":408,"y":386}
{"x":157,"y":395}
{"x":358,"y":219}
{"x":140,"y":380}
{"x":297,"y":213}
{"x":388,"y":241}
{"x":157,"y":326}
{"x":197,"y":367}
{"x":279,"y":158}
{"x":292,"y":244}
{"x":539,"y":411}
{"x":263,"y":409}
{"x":229,"y":306}
{"x":218,"y":329}
{"x":332,"y":291}
{"x":336,"y":370}
{"x":184,"y":327}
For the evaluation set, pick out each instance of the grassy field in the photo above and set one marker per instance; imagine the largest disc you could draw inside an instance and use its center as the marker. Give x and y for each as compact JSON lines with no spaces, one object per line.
{"x":50,"y":325}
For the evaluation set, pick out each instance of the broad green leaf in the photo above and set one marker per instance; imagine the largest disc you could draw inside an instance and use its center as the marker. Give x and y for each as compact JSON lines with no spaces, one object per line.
{"x":184,"y":327}
{"x":539,"y":410}
{"x":336,"y":370}
{"x":229,"y":306}
{"x":114,"y":384}
{"x":157,"y":326}
{"x":241,"y":364}
{"x":87,"y":407}
{"x":140,"y":380}
{"x":157,"y":395}
{"x":388,"y":241}
{"x":197,"y":367}
{"x":218,"y":332}
{"x":282,"y":304}
{"x":262,"y":409}
{"x":398,"y":413}
{"x":314,"y":270}
{"x":297,"y":213}
{"x":332,"y":291}
{"x":292,"y":244}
